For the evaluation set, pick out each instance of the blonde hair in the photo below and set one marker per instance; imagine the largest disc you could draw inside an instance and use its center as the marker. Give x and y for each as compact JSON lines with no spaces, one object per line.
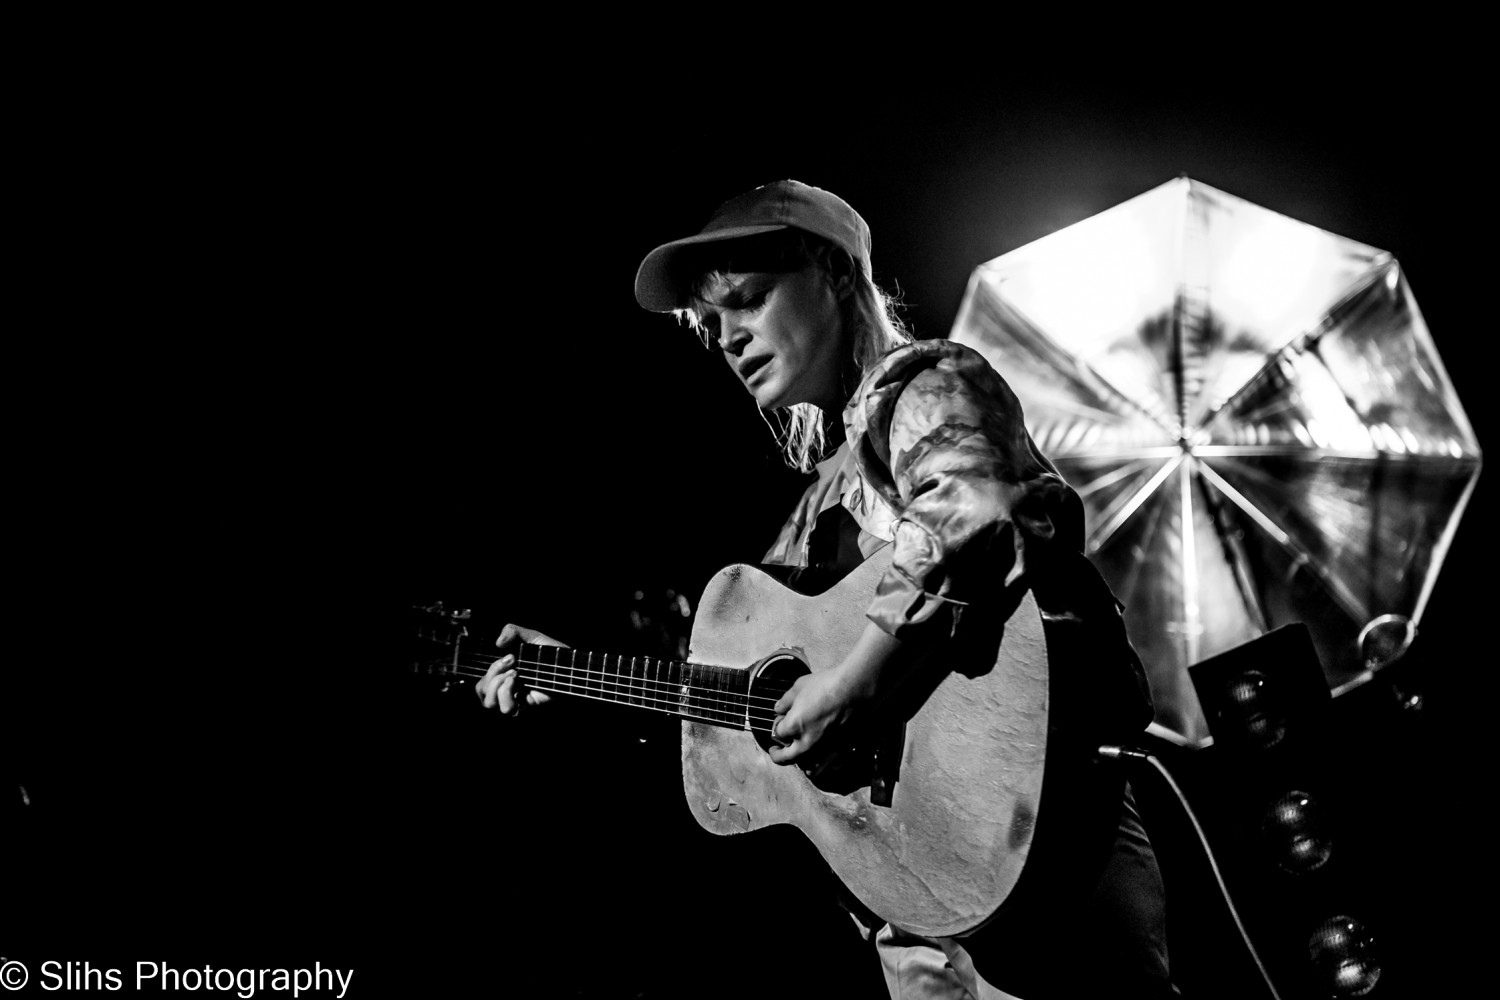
{"x":869,"y":315}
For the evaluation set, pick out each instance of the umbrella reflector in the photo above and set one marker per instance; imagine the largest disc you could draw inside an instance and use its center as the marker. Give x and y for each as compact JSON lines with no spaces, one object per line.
{"x":1255,"y":415}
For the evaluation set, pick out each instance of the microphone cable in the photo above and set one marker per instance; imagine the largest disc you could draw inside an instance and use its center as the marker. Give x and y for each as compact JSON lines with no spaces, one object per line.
{"x":1114,"y":752}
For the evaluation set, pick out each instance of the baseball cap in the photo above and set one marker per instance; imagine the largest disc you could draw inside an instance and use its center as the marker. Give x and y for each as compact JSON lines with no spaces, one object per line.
{"x":784,"y":204}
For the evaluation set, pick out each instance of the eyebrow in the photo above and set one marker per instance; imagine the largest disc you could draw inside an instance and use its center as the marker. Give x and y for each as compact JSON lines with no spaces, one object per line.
{"x":736,"y":295}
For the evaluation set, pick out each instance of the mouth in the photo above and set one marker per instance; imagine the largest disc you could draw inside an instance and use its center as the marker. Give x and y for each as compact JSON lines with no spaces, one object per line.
{"x":749,"y":366}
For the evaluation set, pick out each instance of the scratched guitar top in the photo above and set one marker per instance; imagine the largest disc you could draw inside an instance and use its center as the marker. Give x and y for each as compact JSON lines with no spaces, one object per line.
{"x":946,"y":852}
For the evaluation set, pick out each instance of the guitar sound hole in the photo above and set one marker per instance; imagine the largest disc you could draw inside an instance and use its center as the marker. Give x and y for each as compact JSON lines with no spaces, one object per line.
{"x":773,"y":678}
{"x":841,"y":771}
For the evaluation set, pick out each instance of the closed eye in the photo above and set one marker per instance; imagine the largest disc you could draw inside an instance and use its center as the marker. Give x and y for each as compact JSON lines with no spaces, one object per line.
{"x":737,"y":299}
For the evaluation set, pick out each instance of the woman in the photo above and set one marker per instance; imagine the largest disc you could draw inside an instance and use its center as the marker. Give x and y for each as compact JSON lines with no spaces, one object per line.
{"x":932,"y":457}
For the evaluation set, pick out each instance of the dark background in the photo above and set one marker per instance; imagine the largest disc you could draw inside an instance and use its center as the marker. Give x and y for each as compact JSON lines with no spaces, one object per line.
{"x":312,"y":348}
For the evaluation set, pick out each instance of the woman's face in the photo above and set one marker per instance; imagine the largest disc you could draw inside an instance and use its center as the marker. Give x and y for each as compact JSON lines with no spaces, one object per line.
{"x":782,"y":335}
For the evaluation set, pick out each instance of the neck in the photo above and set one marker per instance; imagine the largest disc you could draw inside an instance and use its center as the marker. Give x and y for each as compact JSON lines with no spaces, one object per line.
{"x":719,"y":696}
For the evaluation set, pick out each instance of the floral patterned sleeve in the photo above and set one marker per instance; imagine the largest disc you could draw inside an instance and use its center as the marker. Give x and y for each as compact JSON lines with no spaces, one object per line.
{"x":940,"y":436}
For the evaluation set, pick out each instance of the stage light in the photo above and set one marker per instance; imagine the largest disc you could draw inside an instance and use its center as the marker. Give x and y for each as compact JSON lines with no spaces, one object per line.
{"x":1343,"y":951}
{"x":1294,"y":832}
{"x":1263,"y":694}
{"x":1252,"y":703}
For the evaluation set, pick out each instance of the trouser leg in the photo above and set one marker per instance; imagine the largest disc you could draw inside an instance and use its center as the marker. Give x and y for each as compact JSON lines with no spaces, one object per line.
{"x":1115,"y":946}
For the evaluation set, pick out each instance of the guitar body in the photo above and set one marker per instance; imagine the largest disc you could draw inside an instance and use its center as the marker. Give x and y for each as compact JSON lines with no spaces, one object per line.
{"x":949,"y":848}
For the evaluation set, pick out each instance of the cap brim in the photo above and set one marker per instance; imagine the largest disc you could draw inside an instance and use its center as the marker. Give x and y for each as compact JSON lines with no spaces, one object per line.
{"x":657,"y":283}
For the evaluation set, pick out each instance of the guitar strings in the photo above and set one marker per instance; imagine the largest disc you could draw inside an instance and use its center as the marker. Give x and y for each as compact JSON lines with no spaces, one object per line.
{"x":657,"y":697}
{"x":484,"y":660}
{"x":736,"y":720}
{"x":483,"y":664}
{"x":709,"y":698}
{"x":697,"y":691}
{"x":654,"y":692}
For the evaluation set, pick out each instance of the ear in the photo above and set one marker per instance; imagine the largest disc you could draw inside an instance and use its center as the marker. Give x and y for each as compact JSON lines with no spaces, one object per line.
{"x":842,"y":272}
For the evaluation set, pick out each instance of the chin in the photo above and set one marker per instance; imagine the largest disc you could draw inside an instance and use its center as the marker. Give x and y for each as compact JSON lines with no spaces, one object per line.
{"x":771,"y":402}
{"x":769,"y":397}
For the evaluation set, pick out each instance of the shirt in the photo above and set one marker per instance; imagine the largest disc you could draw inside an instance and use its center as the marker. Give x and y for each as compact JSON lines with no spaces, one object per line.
{"x":937,"y":462}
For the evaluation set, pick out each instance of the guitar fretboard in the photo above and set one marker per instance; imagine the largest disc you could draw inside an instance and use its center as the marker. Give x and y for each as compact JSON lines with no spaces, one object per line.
{"x":719,"y":696}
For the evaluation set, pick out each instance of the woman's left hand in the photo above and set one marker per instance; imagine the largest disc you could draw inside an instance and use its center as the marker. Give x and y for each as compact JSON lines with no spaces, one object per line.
{"x":816,"y":705}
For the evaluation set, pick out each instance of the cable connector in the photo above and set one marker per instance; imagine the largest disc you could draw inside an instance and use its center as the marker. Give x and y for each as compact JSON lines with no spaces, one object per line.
{"x":1111,"y":752}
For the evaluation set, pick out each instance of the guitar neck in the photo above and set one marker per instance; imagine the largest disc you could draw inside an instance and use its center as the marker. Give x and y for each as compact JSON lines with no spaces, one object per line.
{"x":718,"y":696}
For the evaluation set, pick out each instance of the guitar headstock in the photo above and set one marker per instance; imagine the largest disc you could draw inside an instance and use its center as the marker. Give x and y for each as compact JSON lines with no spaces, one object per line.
{"x":444,"y":642}
{"x":438,"y":640}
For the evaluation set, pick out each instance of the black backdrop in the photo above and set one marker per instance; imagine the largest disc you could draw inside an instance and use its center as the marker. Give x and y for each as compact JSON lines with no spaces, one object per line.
{"x":311,"y":353}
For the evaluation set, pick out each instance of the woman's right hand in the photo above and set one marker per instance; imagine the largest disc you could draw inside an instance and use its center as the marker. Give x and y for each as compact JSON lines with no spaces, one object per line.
{"x":501,"y":687}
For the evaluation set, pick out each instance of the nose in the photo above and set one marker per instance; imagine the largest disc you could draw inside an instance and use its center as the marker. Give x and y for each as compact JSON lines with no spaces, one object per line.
{"x":732,"y":336}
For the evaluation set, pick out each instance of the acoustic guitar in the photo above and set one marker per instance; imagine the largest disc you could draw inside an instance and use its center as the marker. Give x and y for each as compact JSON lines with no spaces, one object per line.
{"x":927,"y":816}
